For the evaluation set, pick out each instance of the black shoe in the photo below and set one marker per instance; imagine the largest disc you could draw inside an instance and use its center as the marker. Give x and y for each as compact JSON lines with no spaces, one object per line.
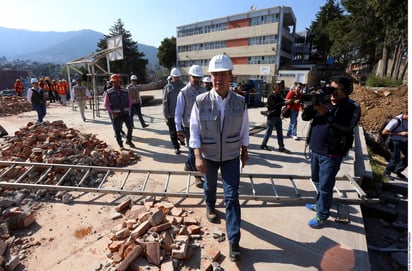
{"x":145,"y":125}
{"x":401,"y":176}
{"x":234,"y":252}
{"x":264,"y":147}
{"x":211,"y":214}
{"x":121,"y":146}
{"x":130,"y":143}
{"x":177,"y":151}
{"x":198,"y":182}
{"x":283,"y":149}
{"x":182,"y":142}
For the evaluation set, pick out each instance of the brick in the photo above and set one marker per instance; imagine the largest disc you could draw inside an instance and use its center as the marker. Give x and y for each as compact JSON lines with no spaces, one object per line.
{"x":171,"y":219}
{"x":213,"y":254}
{"x":132,"y":255}
{"x":189,"y":221}
{"x":3,"y":247}
{"x":180,"y":250}
{"x":157,"y":218}
{"x":167,"y":266}
{"x":12,"y":263}
{"x":167,"y":241}
{"x":194,"y":229}
{"x":115,"y":245}
{"x":144,"y":216}
{"x":135,"y":211}
{"x":205,"y":265}
{"x":176,"y":211}
{"x":161,"y":227}
{"x":122,"y":234}
{"x":153,"y":252}
{"x":141,"y":229}
{"x":121,"y":207}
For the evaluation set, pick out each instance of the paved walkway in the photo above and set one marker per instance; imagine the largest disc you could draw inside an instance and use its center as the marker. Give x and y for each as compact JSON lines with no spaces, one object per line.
{"x":274,"y":236}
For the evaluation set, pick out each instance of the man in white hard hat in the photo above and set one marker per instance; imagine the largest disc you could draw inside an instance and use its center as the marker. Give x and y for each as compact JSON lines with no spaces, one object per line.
{"x":207,"y":83}
{"x":219,"y":135}
{"x":185,"y":101}
{"x":35,"y":96}
{"x":170,"y":92}
{"x":134,"y":91}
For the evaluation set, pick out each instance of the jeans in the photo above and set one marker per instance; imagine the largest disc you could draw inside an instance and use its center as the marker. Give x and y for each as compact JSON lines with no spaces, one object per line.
{"x":324,"y":169}
{"x":41,"y":111}
{"x":137,"y":108}
{"x":230,"y":171}
{"x":292,"y":130}
{"x":190,"y":161}
{"x":273,"y":122}
{"x":396,"y":164}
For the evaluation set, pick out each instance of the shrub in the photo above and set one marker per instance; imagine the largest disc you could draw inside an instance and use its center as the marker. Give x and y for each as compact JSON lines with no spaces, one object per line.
{"x":375,"y":81}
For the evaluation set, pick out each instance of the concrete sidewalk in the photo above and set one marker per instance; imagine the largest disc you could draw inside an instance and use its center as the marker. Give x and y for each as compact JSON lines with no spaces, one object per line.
{"x":275,"y":236}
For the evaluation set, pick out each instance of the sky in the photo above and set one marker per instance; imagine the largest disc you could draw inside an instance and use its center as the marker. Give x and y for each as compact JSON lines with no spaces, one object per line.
{"x":149,"y":21}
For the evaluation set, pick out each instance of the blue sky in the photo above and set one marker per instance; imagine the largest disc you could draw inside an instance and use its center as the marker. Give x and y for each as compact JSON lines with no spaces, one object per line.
{"x":148,"y":21}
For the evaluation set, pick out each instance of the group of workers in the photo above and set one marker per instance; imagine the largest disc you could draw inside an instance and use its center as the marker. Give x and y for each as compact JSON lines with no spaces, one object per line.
{"x":212,"y":120}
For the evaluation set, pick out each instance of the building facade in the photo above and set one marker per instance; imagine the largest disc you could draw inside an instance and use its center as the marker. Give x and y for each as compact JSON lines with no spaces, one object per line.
{"x":258,"y":42}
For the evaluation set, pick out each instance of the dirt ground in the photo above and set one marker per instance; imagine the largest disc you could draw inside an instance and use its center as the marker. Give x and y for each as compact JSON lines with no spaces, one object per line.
{"x":63,"y":221}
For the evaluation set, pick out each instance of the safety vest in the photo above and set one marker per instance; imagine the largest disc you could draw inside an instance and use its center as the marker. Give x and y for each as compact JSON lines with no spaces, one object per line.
{"x":18,"y":87}
{"x":118,"y":100}
{"x":80,"y":93}
{"x":134,"y":92}
{"x":189,"y":94}
{"x":220,"y":143}
{"x":61,"y":88}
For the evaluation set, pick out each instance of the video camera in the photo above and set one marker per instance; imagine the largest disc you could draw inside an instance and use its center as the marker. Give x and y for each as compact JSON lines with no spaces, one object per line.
{"x":321,"y":96}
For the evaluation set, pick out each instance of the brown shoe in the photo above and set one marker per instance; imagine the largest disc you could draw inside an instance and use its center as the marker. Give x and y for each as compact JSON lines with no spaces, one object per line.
{"x":211,"y":214}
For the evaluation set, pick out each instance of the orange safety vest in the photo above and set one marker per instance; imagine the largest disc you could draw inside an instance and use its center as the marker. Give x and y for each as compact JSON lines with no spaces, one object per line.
{"x":18,"y":87}
{"x":61,"y":88}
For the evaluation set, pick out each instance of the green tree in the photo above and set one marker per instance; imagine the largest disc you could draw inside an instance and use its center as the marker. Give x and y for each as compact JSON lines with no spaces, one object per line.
{"x":321,"y":28}
{"x":167,"y":53}
{"x":133,"y":61}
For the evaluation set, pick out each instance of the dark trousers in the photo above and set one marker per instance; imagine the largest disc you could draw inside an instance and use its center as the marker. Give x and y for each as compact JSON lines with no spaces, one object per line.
{"x":137,"y":108}
{"x":117,"y":126}
{"x":173,"y":133}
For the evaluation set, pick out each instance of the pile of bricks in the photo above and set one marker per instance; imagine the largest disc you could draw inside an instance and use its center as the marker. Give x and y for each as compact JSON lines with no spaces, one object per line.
{"x":53,"y":142}
{"x":156,"y":235}
{"x":13,"y":105}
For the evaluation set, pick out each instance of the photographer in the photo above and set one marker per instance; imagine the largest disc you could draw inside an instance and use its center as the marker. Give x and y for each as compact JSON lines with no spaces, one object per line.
{"x":331,"y":136}
{"x":293,"y":100}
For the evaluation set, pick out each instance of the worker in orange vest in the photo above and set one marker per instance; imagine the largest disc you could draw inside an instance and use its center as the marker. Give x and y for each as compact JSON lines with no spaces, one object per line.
{"x":61,"y":89}
{"x":53,"y":88}
{"x":18,"y":87}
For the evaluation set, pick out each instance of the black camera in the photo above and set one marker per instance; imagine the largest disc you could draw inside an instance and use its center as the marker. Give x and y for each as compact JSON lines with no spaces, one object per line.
{"x":321,"y":96}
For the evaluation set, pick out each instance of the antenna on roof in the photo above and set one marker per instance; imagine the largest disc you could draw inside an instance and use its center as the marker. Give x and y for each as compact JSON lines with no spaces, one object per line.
{"x":252,"y":7}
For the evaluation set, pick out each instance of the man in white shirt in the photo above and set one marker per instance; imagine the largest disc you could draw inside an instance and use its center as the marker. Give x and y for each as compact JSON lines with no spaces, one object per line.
{"x":219,"y":136}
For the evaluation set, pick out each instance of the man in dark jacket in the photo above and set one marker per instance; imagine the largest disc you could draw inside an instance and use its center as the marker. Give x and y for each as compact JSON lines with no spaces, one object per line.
{"x":331,"y":137}
{"x":274,"y":104}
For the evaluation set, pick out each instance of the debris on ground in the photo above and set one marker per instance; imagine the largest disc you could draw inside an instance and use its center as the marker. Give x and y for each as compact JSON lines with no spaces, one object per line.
{"x":13,"y":105}
{"x":55,"y":143}
{"x":157,"y":234}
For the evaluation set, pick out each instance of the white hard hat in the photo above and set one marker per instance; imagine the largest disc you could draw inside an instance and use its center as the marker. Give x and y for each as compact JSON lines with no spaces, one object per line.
{"x":175,"y":72}
{"x":34,"y":80}
{"x":133,"y":77}
{"x":196,"y":70}
{"x":220,"y":63}
{"x":207,"y":80}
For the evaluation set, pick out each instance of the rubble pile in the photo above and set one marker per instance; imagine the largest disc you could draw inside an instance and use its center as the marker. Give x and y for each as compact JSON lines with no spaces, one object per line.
{"x":156,"y":235}
{"x":13,"y":105}
{"x":54,"y":143}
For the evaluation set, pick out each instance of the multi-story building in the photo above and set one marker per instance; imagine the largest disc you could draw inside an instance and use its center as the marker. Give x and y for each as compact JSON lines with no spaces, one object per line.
{"x":258,"y":42}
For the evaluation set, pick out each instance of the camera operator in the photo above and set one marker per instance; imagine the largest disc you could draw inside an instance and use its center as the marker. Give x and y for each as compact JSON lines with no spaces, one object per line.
{"x":293,"y":100}
{"x":333,"y":119}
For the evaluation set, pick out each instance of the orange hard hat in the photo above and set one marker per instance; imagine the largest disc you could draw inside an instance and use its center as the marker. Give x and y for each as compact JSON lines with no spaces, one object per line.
{"x":115,"y":78}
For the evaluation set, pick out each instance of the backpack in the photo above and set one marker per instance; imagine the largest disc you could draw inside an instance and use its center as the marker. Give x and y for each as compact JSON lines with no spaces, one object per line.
{"x":383,"y":139}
